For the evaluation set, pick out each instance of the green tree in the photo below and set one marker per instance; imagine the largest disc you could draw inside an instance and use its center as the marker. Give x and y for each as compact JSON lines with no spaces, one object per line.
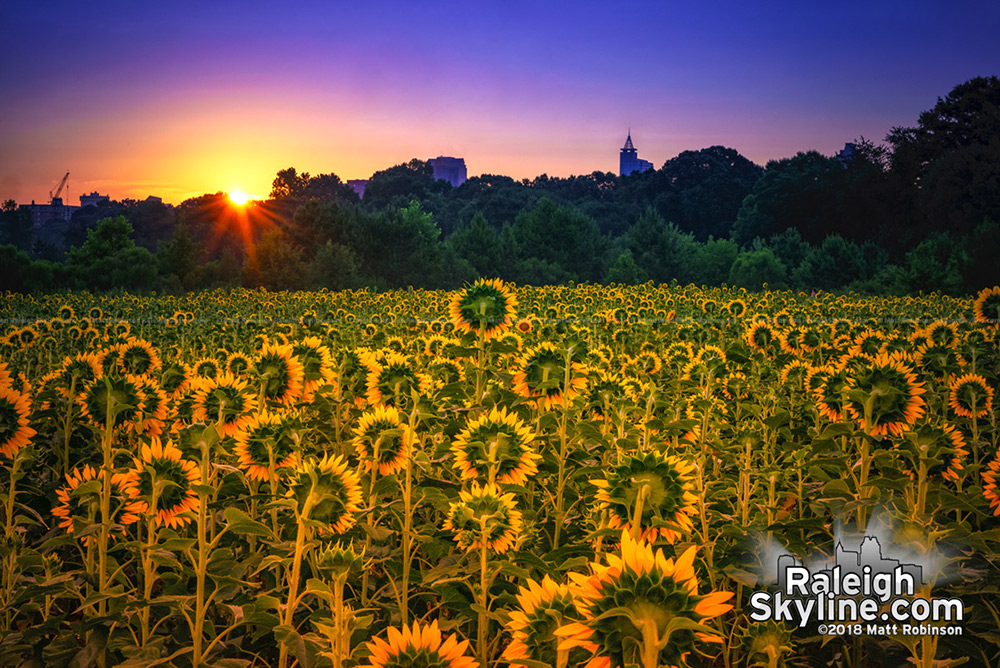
{"x":789,"y":247}
{"x":983,"y":249}
{"x":19,"y":274}
{"x":335,"y":267}
{"x":936,"y":264}
{"x":662,"y":250}
{"x":478,"y":244}
{"x":179,"y":258}
{"x":624,"y":270}
{"x":713,"y":261}
{"x":276,"y":264}
{"x":413,"y":180}
{"x":110,"y":259}
{"x":702,"y":191}
{"x":950,"y":161}
{"x":398,"y":248}
{"x":834,"y":264}
{"x":800,"y":192}
{"x":289,"y":184}
{"x":558,"y":236}
{"x":16,"y":226}
{"x":754,"y":269}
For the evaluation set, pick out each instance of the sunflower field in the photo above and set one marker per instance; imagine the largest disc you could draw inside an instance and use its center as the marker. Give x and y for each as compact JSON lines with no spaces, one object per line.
{"x":593,"y":476}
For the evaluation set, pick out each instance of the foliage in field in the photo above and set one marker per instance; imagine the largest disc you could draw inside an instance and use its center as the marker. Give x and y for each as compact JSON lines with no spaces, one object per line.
{"x":568,"y":476}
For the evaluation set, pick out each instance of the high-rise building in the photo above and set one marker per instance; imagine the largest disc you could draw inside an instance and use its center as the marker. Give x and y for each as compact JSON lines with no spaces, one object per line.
{"x":451,"y":170}
{"x":359,"y":186}
{"x":629,"y":161}
{"x":93,"y":199}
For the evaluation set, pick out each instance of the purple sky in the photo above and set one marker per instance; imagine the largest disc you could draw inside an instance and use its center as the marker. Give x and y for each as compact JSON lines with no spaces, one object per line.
{"x":186,"y":98}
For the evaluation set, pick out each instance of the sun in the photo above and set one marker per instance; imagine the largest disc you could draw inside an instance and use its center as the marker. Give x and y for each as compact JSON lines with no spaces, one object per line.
{"x":239,"y":198}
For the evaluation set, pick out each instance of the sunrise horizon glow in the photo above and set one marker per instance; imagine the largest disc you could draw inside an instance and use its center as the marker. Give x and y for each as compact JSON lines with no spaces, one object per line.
{"x":187,"y":100}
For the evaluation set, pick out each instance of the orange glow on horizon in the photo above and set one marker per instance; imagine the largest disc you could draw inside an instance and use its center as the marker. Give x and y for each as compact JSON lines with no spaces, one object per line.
{"x":239,"y":198}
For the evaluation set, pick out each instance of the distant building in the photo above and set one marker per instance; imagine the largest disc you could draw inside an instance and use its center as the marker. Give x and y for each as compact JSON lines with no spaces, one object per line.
{"x":54,"y":210}
{"x":629,"y":161}
{"x":153,"y":199}
{"x":93,"y":199}
{"x":847,"y":153}
{"x":358,"y":185}
{"x":451,"y":170}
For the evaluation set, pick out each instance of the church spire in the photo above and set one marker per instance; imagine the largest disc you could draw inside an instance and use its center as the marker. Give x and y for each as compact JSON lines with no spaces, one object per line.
{"x":628,"y":142}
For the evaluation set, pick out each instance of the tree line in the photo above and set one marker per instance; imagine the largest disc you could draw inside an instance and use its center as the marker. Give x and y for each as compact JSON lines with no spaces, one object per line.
{"x":918,"y":211}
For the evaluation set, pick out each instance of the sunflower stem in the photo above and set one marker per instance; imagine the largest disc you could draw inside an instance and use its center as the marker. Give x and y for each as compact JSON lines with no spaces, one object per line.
{"x":148,"y":568}
{"x":407,"y":538}
{"x":563,"y":447}
{"x":107,"y":467}
{"x":296,"y":573}
{"x":640,"y":500}
{"x":67,"y":422}
{"x":202,"y":565}
{"x":9,"y":568}
{"x":650,"y":644}
{"x":482,"y":631}
{"x":371,"y":516}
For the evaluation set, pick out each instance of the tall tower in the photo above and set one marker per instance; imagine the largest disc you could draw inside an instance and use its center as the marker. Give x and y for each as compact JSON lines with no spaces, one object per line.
{"x":629,"y":160}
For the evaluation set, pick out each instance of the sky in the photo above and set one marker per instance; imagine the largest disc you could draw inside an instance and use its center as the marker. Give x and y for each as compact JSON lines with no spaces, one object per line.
{"x":177,"y":99}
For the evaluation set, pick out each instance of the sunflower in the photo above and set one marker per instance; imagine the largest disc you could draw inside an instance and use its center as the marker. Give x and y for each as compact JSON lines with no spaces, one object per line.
{"x":870,"y":342}
{"x":317,"y":365}
{"x":986,"y":308}
{"x":541,"y":374}
{"x":938,"y":361}
{"x":991,"y":477}
{"x":794,"y":373}
{"x":326,"y":491}
{"x":495,"y":447}
{"x":120,"y":393}
{"x":84,"y":367}
{"x":14,"y":430}
{"x":634,"y":600}
{"x":761,"y":336}
{"x":84,"y":507}
{"x":280,"y":373}
{"x":828,"y":387}
{"x":889,"y":390}
{"x":265,"y":437}
{"x":710,"y":360}
{"x":665,"y":486}
{"x":391,"y":380}
{"x":736,"y":308}
{"x":382,"y":439}
{"x":207,"y":367}
{"x":970,"y":393}
{"x":943,"y":444}
{"x":174,"y":378}
{"x":542,"y":608}
{"x":224,"y":401}
{"x":419,"y":647}
{"x":483,"y":513}
{"x":109,"y":359}
{"x":486,"y":307}
{"x":154,"y":406}
{"x":942,"y":333}
{"x":237,"y":364}
{"x":607,"y":390}
{"x":137,"y":357}
{"x":678,"y":354}
{"x":445,"y":371}
{"x":160,"y":467}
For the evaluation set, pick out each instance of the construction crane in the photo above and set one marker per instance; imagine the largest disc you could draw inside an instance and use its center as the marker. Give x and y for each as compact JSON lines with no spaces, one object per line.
{"x":58,"y":190}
